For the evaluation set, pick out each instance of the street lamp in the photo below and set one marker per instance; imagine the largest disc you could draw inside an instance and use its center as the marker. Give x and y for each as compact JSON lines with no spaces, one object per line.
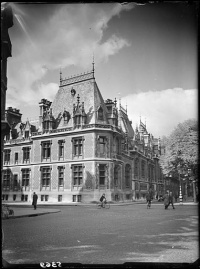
{"x":180,"y":191}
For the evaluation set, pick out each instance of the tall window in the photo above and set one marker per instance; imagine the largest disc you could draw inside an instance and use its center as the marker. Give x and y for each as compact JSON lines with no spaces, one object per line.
{"x":127,"y":175}
{"x":143,"y":168}
{"x":102,"y":144}
{"x":116,"y":169}
{"x":61,"y":149}
{"x":16,"y":157}
{"x":7,"y":156}
{"x":46,"y":150}
{"x":150,"y":172}
{"x":77,"y":146}
{"x":26,"y":154}
{"x":60,"y":176}
{"x":25,"y":178}
{"x":77,"y":175}
{"x":45,"y":177}
{"x":15,"y":182}
{"x":102,"y":174}
{"x":136,"y":168}
{"x":6,"y":179}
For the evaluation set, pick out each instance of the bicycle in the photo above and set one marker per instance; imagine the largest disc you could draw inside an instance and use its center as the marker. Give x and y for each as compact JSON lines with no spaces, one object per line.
{"x":105,"y":205}
{"x":6,"y":212}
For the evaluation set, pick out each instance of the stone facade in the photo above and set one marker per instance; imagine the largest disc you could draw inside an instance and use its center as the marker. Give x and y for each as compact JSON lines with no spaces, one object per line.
{"x":80,"y":147}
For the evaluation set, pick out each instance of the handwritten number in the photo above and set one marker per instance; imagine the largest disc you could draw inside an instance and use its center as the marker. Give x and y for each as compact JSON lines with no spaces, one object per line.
{"x":42,"y":265}
{"x":48,"y":264}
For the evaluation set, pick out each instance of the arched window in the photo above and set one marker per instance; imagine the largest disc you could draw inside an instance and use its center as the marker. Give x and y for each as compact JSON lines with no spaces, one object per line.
{"x":127,"y":175}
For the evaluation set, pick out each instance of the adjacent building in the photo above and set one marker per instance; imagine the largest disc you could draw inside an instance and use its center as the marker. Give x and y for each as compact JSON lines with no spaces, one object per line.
{"x":80,"y":147}
{"x":6,"y":52}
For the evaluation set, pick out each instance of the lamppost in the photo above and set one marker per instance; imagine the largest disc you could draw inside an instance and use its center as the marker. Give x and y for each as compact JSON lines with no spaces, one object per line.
{"x":180,"y":191}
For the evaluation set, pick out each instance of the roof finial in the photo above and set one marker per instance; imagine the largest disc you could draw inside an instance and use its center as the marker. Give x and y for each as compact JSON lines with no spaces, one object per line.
{"x":115,"y":102}
{"x":78,"y":99}
{"x":93,"y":63}
{"x":60,"y":76}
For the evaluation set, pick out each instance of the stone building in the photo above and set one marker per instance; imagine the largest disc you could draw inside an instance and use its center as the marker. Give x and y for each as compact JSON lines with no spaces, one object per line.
{"x":6,"y":52}
{"x":79,"y":148}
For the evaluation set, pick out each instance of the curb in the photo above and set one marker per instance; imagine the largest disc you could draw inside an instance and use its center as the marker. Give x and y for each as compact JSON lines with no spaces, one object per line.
{"x":32,"y":215}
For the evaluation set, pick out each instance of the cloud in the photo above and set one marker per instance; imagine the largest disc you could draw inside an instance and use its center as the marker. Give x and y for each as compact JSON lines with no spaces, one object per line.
{"x":162,"y":110}
{"x":68,"y":37}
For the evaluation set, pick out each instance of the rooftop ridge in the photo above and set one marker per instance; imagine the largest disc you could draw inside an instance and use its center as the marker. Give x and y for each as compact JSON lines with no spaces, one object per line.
{"x":77,"y":78}
{"x":123,"y":109}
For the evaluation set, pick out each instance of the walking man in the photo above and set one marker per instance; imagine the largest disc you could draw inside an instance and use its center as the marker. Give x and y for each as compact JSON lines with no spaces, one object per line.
{"x":148,"y":198}
{"x":171,"y":200}
{"x":166,"y":200}
{"x":34,"y":203}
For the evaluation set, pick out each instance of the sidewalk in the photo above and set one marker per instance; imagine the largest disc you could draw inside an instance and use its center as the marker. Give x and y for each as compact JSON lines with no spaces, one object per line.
{"x":20,"y":212}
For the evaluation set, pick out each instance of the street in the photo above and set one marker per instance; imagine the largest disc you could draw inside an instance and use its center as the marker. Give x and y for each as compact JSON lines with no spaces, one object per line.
{"x":85,"y":234}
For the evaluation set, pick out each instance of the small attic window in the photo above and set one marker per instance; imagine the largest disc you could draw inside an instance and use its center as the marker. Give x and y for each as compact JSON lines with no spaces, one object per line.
{"x":26,"y":134}
{"x":100,"y":113}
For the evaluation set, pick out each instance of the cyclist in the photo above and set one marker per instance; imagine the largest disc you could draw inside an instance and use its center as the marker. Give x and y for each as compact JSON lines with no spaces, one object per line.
{"x":103,"y":200}
{"x":148,"y":198}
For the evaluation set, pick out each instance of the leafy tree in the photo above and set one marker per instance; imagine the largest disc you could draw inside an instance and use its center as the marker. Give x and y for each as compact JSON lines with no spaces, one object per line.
{"x":181,"y":149}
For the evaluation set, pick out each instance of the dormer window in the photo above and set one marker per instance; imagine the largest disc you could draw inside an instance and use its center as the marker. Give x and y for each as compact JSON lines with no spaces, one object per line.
{"x":66,"y":116}
{"x":26,"y":134}
{"x":79,"y":115}
{"x":100,"y":113}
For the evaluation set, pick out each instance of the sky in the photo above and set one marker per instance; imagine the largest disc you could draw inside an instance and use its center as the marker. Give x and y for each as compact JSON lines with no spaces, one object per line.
{"x":144,"y":54}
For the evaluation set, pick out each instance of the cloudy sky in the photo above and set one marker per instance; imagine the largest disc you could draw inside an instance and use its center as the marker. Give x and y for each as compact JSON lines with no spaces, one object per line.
{"x":144,"y":54}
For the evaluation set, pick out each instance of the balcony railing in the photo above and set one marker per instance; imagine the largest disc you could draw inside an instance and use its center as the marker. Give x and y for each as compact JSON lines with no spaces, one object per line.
{"x":69,"y":129}
{"x":86,"y":126}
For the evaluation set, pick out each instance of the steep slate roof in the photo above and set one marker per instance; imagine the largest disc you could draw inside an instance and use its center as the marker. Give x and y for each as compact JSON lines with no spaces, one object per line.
{"x":125,"y":123}
{"x":85,"y":86}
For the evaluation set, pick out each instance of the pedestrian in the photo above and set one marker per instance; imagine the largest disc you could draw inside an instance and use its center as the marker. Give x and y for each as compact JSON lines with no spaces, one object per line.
{"x":166,"y":200}
{"x":34,"y":203}
{"x":103,"y":200}
{"x":148,"y":198}
{"x":171,"y":198}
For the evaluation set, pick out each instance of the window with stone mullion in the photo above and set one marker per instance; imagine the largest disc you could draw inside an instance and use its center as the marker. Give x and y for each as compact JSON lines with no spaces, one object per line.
{"x":61,"y":176}
{"x":6,"y":179}
{"x":25,"y":177}
{"x":46,"y":177}
{"x":102,"y":174}
{"x":77,"y":175}
{"x":26,"y":154}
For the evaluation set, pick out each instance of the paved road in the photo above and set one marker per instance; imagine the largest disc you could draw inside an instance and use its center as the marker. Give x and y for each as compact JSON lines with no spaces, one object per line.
{"x":89,"y":235}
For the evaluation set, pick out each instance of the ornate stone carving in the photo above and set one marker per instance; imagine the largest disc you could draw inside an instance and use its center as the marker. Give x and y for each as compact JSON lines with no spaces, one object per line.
{"x":79,"y":78}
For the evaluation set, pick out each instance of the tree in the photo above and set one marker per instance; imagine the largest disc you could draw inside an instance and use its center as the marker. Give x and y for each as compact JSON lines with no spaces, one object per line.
{"x":181,"y":149}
